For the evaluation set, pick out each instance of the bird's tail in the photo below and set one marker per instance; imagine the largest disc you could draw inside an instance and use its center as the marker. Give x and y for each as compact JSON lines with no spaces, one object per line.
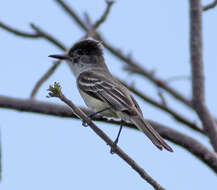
{"x":153,"y":135}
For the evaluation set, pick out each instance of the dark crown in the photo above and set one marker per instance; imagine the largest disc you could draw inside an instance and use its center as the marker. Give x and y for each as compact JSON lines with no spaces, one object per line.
{"x":88,"y":47}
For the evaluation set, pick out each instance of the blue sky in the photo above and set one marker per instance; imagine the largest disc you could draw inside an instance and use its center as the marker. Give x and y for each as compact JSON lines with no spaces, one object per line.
{"x":44,"y":152}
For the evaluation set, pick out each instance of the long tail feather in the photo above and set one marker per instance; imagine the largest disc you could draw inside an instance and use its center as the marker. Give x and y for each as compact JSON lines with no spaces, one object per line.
{"x":153,"y":135}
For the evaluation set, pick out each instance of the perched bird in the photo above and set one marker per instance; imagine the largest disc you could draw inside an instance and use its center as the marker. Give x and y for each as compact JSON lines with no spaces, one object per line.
{"x":102,"y":92}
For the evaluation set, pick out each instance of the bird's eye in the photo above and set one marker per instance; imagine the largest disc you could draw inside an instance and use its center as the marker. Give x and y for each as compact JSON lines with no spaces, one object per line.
{"x":80,"y":52}
{"x":85,"y":59}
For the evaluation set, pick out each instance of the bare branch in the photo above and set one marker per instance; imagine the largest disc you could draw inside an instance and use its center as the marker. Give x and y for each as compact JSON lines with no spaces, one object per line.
{"x":92,"y":29}
{"x":51,"y":70}
{"x":18,"y":32}
{"x":48,"y":37}
{"x":44,"y":77}
{"x":105,"y":14}
{"x":210,"y":6}
{"x":57,"y":43}
{"x":190,"y":144}
{"x":135,"y":67}
{"x":161,"y":96}
{"x":209,"y":123}
{"x":177,"y":116}
{"x":39,"y":34}
{"x":55,"y":91}
{"x":72,"y":14}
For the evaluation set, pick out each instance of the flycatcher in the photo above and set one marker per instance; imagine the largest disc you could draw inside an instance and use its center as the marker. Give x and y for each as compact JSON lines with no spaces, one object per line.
{"x":104,"y":93}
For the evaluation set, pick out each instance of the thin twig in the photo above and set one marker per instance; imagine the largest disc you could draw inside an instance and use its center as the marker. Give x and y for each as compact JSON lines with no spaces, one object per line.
{"x":133,"y":64}
{"x":92,"y":30}
{"x":57,"y":43}
{"x":189,"y":144}
{"x":198,"y":85}
{"x":105,"y":14}
{"x":39,"y":33}
{"x":72,"y":14}
{"x":48,"y":37}
{"x":177,"y":116}
{"x":135,"y":68}
{"x":55,"y":91}
{"x":44,"y":77}
{"x":51,"y":70}
{"x":18,"y":32}
{"x":161,"y":96}
{"x":87,"y":20}
{"x":210,"y":6}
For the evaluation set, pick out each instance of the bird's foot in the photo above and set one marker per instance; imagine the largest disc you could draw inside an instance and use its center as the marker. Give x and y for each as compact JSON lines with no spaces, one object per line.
{"x":84,"y":124}
{"x":114,"y":147}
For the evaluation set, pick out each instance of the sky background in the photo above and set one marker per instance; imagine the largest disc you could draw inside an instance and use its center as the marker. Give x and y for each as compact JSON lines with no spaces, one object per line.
{"x":45,"y":152}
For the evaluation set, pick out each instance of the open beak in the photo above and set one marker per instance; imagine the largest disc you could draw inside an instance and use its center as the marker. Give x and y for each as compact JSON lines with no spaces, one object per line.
{"x":60,"y":56}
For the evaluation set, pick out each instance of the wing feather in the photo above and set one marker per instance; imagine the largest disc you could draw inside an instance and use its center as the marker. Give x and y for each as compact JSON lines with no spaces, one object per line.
{"x":100,"y":87}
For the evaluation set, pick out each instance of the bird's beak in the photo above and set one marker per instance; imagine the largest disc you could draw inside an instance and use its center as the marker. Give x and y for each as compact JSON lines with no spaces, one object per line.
{"x":60,"y":56}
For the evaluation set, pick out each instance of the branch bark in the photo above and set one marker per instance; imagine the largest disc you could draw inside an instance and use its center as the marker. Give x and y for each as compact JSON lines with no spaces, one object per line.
{"x":210,"y":6}
{"x":197,"y":72}
{"x":44,"y":77}
{"x":17,"y":32}
{"x":117,"y":53}
{"x":55,"y":91}
{"x":177,"y":116}
{"x":193,"y":146}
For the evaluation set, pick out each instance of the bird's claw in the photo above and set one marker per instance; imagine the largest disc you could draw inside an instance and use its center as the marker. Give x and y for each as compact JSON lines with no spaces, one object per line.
{"x":84,"y":124}
{"x":114,"y":147}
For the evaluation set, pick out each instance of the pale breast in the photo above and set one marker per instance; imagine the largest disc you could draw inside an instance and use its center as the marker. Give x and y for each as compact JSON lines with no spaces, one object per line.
{"x":97,"y":105}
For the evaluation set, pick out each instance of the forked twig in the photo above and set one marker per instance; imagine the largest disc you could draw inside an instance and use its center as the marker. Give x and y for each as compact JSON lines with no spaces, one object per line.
{"x":55,"y":91}
{"x":18,"y":32}
{"x":177,"y":116}
{"x":48,"y":37}
{"x":44,"y":77}
{"x":133,"y":64}
{"x":104,"y":16}
{"x":189,"y":144}
{"x":61,"y":46}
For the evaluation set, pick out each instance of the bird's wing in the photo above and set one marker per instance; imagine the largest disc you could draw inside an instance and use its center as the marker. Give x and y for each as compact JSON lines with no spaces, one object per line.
{"x":136,"y":105}
{"x":110,"y":91}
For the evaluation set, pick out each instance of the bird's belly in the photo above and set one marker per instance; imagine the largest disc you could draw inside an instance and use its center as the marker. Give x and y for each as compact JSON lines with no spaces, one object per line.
{"x":97,"y":105}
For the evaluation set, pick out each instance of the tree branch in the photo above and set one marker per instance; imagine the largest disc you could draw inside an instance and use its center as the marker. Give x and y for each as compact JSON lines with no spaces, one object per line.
{"x":48,"y":37}
{"x":18,"y":32}
{"x":92,"y":30}
{"x":133,"y":64}
{"x":72,"y":14}
{"x":44,"y":77}
{"x":54,"y":41}
{"x":27,"y":105}
{"x":39,"y":33}
{"x":55,"y":91}
{"x":134,"y":67}
{"x":177,"y":116}
{"x":105,"y":14}
{"x":197,"y":72}
{"x":210,"y":6}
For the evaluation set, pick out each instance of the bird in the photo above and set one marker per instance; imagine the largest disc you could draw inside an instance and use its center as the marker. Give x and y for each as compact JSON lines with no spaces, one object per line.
{"x":102,"y":92}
